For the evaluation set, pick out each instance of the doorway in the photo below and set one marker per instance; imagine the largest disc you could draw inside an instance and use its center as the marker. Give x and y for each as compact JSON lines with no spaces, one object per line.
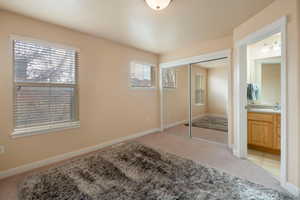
{"x":264,"y":103}
{"x":260,"y":117}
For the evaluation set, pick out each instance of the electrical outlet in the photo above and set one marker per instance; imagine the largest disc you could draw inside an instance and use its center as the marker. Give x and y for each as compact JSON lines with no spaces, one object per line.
{"x":2,"y":149}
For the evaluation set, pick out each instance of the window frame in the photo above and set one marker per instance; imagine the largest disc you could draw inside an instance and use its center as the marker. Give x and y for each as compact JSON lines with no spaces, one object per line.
{"x":49,"y":128}
{"x":153,"y":82}
{"x":203,"y":84}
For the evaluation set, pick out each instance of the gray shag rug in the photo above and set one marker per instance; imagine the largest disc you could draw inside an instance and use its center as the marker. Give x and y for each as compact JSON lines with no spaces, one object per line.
{"x":131,"y":171}
{"x":211,"y":122}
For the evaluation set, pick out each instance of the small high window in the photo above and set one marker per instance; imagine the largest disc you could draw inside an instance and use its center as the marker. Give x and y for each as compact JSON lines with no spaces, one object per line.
{"x":142,"y":75}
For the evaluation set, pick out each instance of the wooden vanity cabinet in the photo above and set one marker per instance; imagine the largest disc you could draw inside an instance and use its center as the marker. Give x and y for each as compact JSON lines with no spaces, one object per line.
{"x":277,"y":138}
{"x":264,"y":132}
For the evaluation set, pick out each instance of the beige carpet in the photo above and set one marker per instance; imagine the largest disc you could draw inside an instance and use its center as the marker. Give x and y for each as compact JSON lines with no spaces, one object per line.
{"x":200,"y":133}
{"x":214,"y":155}
{"x":217,"y":156}
{"x":136,"y":172}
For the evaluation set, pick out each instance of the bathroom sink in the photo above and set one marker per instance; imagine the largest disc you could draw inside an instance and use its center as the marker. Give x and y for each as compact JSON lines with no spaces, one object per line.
{"x":263,"y":110}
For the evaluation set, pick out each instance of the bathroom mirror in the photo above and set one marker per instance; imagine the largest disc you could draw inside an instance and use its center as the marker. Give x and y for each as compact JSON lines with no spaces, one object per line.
{"x":264,"y":82}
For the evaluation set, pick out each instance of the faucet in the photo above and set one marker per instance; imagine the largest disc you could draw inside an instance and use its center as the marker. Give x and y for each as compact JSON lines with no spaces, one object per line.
{"x":277,"y":106}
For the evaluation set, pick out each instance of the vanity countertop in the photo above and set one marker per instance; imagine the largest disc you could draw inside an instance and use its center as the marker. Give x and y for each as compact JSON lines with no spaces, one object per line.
{"x":264,"y":110}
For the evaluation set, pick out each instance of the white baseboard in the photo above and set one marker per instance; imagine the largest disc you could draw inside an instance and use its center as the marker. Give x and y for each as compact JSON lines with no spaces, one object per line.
{"x":235,"y":152}
{"x":55,"y":159}
{"x":176,"y":124}
{"x":182,"y":121}
{"x":293,"y":189}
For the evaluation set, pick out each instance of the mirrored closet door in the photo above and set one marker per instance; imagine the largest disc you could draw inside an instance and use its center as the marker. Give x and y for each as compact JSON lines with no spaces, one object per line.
{"x":195,"y":100}
{"x":209,"y":100}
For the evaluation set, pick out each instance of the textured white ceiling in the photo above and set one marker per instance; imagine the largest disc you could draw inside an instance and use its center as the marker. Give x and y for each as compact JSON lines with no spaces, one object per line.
{"x":133,"y":23}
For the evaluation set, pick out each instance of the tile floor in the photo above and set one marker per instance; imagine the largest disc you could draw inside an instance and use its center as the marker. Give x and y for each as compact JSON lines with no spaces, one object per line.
{"x":267,"y":161}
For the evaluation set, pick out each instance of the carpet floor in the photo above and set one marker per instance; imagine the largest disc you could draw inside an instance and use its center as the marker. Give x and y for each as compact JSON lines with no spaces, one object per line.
{"x":133,"y":171}
{"x":205,"y":134}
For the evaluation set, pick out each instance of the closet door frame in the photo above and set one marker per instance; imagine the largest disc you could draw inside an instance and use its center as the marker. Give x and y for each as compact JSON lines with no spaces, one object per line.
{"x":189,"y":62}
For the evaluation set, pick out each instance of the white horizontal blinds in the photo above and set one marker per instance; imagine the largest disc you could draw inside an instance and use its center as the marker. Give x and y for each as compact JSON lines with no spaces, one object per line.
{"x":44,"y":64}
{"x":169,"y":78}
{"x":45,"y":84}
{"x":43,"y":105}
{"x":142,"y":75}
{"x":200,"y":90}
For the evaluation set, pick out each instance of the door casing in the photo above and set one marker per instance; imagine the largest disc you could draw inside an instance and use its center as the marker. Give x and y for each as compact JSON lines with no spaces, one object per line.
{"x":240,"y":85}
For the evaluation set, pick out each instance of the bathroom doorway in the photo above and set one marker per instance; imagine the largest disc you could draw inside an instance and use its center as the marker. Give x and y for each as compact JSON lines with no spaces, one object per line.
{"x":259,"y":123}
{"x":264,"y":103}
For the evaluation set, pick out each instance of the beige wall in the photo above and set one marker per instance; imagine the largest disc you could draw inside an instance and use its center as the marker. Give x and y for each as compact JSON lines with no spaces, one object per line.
{"x":217,"y":88}
{"x":270,"y":84}
{"x":273,"y":12}
{"x":108,"y":108}
{"x":176,"y":100}
{"x":198,"y":49}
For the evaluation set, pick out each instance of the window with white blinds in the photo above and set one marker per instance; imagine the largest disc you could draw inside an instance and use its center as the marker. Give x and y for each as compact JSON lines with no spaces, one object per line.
{"x":45,"y":86}
{"x":169,"y":78}
{"x":199,"y":89}
{"x":142,"y":75}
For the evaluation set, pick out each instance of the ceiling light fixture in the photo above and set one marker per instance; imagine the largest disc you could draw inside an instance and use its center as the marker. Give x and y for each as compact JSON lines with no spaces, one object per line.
{"x":158,"y":4}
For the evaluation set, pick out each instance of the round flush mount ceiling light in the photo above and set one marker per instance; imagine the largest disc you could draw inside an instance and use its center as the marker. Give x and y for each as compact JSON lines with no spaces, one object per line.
{"x":158,"y":4}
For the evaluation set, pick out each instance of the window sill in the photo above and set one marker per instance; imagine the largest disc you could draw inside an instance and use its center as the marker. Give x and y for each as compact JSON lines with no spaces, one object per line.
{"x":23,"y":132}
{"x":199,"y":104}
